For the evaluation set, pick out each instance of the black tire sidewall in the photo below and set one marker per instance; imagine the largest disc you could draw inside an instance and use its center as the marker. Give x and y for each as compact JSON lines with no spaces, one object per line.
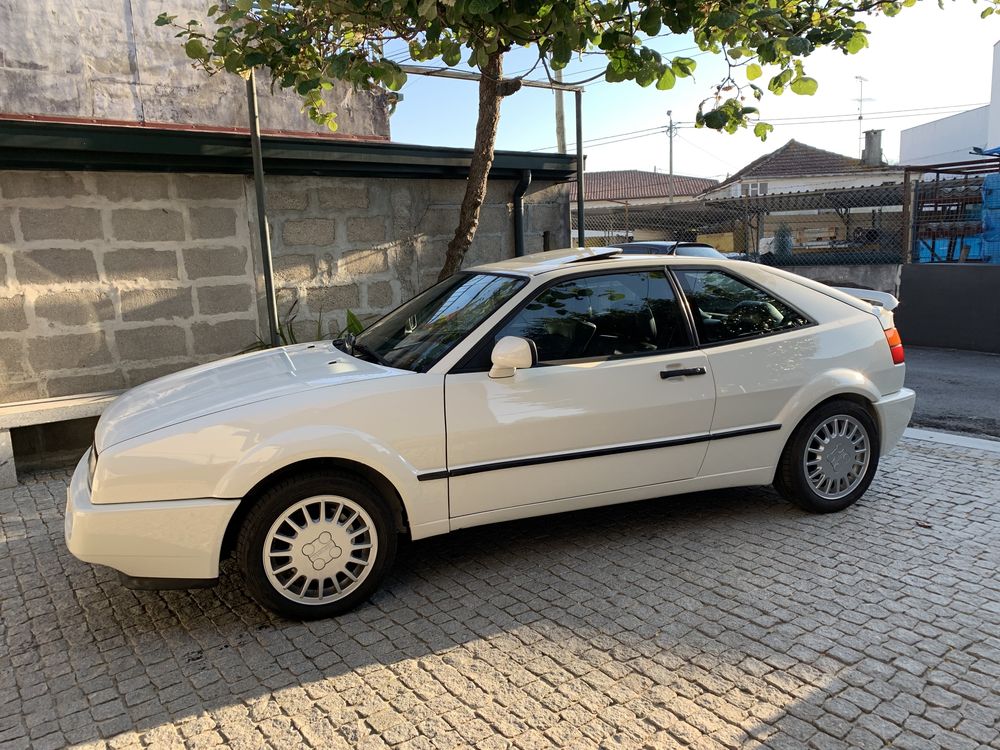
{"x":792,"y":481}
{"x":273,"y":502}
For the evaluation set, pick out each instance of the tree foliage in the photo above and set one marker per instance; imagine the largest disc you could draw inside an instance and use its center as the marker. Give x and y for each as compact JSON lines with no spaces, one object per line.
{"x":307,"y":45}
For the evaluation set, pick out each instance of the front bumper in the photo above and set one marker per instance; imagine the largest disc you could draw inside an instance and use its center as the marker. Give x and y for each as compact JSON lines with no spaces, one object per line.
{"x":894,"y":412}
{"x":169,"y":539}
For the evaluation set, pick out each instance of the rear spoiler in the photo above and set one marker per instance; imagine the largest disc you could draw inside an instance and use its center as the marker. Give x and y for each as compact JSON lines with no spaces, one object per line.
{"x":882,"y":299}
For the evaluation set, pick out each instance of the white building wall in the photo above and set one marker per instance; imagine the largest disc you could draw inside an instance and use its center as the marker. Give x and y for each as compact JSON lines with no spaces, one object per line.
{"x":945,"y":140}
{"x":813,"y":182}
{"x":953,"y":138}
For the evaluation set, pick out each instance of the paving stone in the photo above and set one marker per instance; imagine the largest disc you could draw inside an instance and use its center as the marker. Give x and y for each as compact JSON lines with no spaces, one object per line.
{"x":720,"y":620}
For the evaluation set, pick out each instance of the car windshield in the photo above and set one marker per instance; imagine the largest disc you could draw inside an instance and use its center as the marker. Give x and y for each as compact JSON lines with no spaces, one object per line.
{"x":416,"y":335}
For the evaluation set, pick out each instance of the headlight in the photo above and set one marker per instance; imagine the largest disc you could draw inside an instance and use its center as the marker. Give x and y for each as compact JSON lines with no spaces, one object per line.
{"x":91,"y":467}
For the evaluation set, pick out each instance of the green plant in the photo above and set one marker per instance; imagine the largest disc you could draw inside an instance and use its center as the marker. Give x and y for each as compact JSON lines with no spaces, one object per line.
{"x":309,"y":45}
{"x":287,"y":335}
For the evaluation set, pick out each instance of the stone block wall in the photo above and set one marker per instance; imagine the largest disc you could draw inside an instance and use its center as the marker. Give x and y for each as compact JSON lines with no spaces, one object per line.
{"x":368,"y":245}
{"x":110,"y":279}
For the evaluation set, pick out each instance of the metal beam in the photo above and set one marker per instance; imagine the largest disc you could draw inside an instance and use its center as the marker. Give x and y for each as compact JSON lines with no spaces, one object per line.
{"x":263,"y":234}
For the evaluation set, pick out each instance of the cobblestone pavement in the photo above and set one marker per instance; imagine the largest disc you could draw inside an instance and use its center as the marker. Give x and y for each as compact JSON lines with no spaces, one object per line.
{"x":725,"y":619}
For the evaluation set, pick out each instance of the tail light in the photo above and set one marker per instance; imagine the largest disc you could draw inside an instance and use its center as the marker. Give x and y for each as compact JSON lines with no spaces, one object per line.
{"x":895,"y":346}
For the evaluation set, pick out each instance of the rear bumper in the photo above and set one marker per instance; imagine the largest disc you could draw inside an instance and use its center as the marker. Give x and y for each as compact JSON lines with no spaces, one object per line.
{"x":894,"y":412}
{"x":170,"y":539}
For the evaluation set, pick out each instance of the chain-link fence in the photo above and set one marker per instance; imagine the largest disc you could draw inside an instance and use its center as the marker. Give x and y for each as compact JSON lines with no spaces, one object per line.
{"x":846,"y":226}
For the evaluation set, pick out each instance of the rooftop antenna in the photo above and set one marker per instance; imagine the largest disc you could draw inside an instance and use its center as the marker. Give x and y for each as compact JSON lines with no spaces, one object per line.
{"x":861,"y":114}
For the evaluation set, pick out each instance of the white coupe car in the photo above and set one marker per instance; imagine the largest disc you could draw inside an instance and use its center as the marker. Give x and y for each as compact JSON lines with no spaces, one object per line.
{"x":537,"y":385}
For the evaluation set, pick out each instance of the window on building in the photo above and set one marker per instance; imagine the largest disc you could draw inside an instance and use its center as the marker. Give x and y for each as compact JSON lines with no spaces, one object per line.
{"x":753,"y":188}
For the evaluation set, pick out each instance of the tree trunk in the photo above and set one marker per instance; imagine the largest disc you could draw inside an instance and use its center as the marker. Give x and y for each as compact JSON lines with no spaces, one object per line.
{"x":491,"y":92}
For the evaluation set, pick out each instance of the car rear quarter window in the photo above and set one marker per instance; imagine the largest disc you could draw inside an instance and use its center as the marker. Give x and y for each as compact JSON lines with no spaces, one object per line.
{"x":726,"y":308}
{"x":602,"y":316}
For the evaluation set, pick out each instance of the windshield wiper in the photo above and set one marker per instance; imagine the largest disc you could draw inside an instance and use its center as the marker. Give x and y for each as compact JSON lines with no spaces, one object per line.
{"x":366,"y":351}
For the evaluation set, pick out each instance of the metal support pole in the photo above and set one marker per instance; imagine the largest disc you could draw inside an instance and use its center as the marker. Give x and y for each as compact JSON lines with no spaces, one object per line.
{"x":670,"y":177}
{"x":560,"y":115}
{"x":580,"y":236}
{"x":270,"y":300}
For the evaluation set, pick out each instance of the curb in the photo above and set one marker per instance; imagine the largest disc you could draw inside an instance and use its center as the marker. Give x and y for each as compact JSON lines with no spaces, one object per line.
{"x":950,"y":438}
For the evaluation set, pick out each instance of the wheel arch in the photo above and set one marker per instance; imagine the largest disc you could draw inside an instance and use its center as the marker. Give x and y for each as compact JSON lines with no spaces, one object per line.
{"x":372,"y":476}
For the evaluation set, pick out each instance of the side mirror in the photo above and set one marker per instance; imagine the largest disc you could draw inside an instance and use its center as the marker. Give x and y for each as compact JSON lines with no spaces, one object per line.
{"x":511,"y":353}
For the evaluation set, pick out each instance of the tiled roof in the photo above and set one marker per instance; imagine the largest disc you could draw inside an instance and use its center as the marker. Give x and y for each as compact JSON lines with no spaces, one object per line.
{"x":796,"y":159}
{"x":625,"y":184}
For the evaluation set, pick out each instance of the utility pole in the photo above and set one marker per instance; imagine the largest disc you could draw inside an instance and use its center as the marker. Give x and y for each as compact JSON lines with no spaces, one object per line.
{"x":560,"y":114}
{"x":670,"y":133}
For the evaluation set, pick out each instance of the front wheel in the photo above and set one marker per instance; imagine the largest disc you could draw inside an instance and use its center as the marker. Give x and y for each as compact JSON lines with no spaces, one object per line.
{"x":316,"y":546}
{"x":830,"y":459}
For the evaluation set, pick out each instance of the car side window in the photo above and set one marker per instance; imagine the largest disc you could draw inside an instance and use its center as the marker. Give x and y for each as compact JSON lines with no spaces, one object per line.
{"x":726,"y":308}
{"x":600,"y":316}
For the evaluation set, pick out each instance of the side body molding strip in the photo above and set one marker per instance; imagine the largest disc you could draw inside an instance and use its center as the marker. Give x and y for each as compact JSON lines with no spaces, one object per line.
{"x":611,"y":450}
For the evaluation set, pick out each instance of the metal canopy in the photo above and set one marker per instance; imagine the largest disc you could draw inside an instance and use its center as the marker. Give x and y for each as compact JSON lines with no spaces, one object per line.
{"x":34,"y":144}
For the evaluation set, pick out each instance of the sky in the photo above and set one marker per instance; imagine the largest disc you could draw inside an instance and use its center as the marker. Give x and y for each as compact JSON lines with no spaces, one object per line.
{"x":923,"y":64}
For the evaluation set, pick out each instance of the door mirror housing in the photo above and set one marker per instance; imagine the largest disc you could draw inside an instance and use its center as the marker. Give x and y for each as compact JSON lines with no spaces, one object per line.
{"x":510,"y":354}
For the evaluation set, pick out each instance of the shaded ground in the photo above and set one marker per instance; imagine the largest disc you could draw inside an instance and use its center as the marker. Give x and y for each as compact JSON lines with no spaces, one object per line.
{"x":717,"y":620}
{"x":957,"y":391}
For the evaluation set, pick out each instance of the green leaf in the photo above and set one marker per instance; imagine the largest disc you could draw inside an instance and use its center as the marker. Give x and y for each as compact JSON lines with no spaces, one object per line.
{"x":195,"y":49}
{"x":761,"y":129}
{"x":666,"y":80}
{"x":723,"y":19}
{"x":797,"y":45}
{"x":482,"y":6}
{"x":243,"y":5}
{"x":754,"y":72}
{"x":856,"y":43}
{"x":164,"y":20}
{"x":354,"y":325}
{"x":987,"y":12}
{"x":716,"y":119}
{"x":452,"y":54}
{"x":805,"y":86}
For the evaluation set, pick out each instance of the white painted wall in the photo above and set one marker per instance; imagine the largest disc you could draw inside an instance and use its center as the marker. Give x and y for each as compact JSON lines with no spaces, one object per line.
{"x":952,"y":138}
{"x":815,"y":182}
{"x":945,"y":140}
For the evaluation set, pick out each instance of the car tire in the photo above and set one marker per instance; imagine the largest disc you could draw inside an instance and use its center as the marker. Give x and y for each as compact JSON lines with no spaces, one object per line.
{"x":316,"y":545}
{"x":830,"y":459}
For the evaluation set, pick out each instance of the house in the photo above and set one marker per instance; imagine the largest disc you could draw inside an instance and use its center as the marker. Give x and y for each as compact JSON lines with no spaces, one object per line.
{"x":128,"y":228}
{"x":611,"y":197}
{"x":953,"y":138}
{"x":800,"y":168}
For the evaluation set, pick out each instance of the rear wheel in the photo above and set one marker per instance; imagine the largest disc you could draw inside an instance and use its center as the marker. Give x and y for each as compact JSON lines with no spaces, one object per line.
{"x":830,"y":459}
{"x":316,"y":545}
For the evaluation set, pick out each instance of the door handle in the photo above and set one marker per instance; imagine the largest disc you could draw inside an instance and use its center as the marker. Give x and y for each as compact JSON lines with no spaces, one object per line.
{"x":664,"y":374}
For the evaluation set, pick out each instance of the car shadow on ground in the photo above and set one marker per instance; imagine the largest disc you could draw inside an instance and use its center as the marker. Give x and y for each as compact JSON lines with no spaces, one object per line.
{"x":712,"y":600}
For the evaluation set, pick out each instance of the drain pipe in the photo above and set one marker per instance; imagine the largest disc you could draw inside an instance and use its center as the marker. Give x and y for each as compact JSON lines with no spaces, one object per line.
{"x":519,"y":191}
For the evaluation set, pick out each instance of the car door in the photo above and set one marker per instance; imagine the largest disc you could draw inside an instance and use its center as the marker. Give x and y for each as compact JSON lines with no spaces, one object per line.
{"x":618,"y":399}
{"x":762,"y":352}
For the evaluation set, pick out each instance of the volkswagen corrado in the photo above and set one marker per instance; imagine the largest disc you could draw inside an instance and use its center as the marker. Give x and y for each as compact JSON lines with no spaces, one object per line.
{"x":542,"y":384}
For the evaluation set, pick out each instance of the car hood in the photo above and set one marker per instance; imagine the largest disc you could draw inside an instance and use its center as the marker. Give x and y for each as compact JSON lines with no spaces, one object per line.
{"x":230,"y":383}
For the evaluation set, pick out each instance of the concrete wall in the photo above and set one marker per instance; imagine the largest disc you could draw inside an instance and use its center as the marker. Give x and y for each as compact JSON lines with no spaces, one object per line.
{"x":108,"y":61}
{"x":369,"y":244}
{"x":110,"y":279}
{"x":950,"y":305}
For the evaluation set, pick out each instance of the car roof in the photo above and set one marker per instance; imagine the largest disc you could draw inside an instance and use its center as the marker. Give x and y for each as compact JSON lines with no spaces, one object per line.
{"x":580,"y":259}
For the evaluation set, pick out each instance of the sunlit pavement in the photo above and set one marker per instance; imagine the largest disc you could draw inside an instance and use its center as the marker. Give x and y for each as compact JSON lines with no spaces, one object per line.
{"x":725,"y":619}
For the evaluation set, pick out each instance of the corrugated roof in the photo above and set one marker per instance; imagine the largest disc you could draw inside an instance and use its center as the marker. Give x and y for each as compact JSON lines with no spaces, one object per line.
{"x":796,"y":159}
{"x":626,"y":184}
